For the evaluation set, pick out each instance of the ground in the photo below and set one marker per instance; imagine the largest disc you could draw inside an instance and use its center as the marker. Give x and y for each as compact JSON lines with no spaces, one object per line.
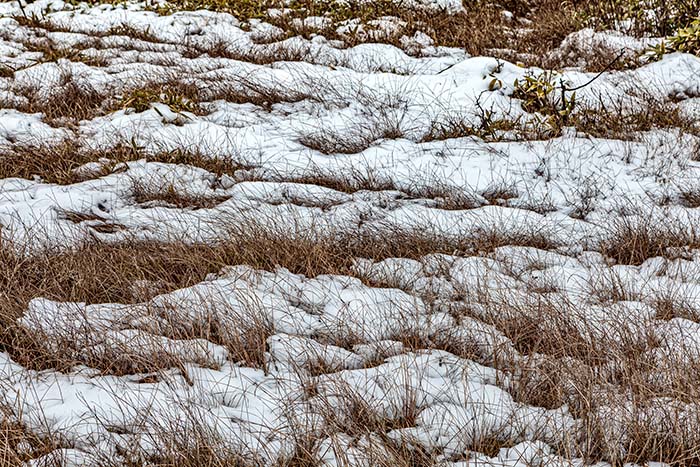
{"x":375,"y":233}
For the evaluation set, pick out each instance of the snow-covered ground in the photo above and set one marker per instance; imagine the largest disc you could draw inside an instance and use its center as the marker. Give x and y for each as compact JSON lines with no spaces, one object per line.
{"x":530,"y":332}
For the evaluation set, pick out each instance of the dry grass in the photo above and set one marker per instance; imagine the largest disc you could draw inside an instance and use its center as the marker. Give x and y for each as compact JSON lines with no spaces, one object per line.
{"x":633,"y":240}
{"x":328,"y":141}
{"x":18,"y":444}
{"x":537,"y":27}
{"x":59,"y":163}
{"x":559,"y":366}
{"x":245,"y":90}
{"x":99,"y":273}
{"x":54,"y":164}
{"x":149,"y":195}
{"x":669,"y":15}
{"x":70,"y":103}
{"x":131,"y":31}
{"x":216,"y":165}
{"x":616,"y":121}
{"x":445,"y":196}
{"x":350,"y":181}
{"x":487,"y":127}
{"x":275,"y":52}
{"x":178,"y":96}
{"x":52,"y":52}
{"x":554,"y":363}
{"x":184,"y":443}
{"x":548,"y":22}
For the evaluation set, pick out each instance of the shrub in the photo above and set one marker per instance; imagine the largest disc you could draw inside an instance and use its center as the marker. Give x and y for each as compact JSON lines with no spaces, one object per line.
{"x":537,"y":93}
{"x":685,"y":39}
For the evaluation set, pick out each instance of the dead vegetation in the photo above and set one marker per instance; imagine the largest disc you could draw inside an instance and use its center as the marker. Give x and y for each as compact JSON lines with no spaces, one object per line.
{"x":619,"y":121}
{"x":560,"y":364}
{"x":328,"y":141}
{"x":61,"y":163}
{"x":634,"y":239}
{"x":520,"y":30}
{"x":551,"y":21}
{"x":68,"y":103}
{"x":99,"y":273}
{"x":53,"y":52}
{"x":146,"y":194}
{"x":178,"y":96}
{"x":552,"y":361}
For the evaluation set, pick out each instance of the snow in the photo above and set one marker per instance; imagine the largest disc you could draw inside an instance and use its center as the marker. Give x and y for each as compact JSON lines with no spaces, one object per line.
{"x":333,"y":143}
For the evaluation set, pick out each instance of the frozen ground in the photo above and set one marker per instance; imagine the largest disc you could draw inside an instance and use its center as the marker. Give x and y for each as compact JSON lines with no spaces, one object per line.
{"x":550,"y":317}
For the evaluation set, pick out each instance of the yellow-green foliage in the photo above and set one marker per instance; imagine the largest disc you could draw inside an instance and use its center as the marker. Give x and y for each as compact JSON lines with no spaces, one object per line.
{"x":684,"y":40}
{"x":141,"y":99}
{"x":536,"y":93}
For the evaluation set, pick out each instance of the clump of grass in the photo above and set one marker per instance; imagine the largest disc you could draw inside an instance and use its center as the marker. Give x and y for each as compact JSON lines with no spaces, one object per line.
{"x":53,"y":52}
{"x":633,"y":240}
{"x":216,"y":165}
{"x":275,"y":52}
{"x":59,"y":163}
{"x":248,"y":91}
{"x":690,"y":196}
{"x":38,"y":21}
{"x":131,"y":31}
{"x":184,"y":442}
{"x":617,"y":121}
{"x":69,"y":103}
{"x":353,"y":141}
{"x":18,"y":445}
{"x":668,"y":307}
{"x":144,"y":193}
{"x":6,"y":71}
{"x":349,"y":182}
{"x":444,"y":196}
{"x":53,"y":164}
{"x":488,"y":128}
{"x":178,"y":96}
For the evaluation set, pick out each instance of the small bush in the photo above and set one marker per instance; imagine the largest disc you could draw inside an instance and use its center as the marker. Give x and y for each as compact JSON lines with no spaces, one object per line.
{"x":537,"y":93}
{"x":685,"y":39}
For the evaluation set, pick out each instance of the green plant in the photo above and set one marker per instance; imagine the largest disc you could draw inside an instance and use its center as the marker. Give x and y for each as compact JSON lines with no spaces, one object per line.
{"x":685,"y":39}
{"x":537,"y":95}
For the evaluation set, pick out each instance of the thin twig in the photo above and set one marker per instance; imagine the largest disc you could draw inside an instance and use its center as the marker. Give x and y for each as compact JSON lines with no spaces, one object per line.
{"x":607,"y":68}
